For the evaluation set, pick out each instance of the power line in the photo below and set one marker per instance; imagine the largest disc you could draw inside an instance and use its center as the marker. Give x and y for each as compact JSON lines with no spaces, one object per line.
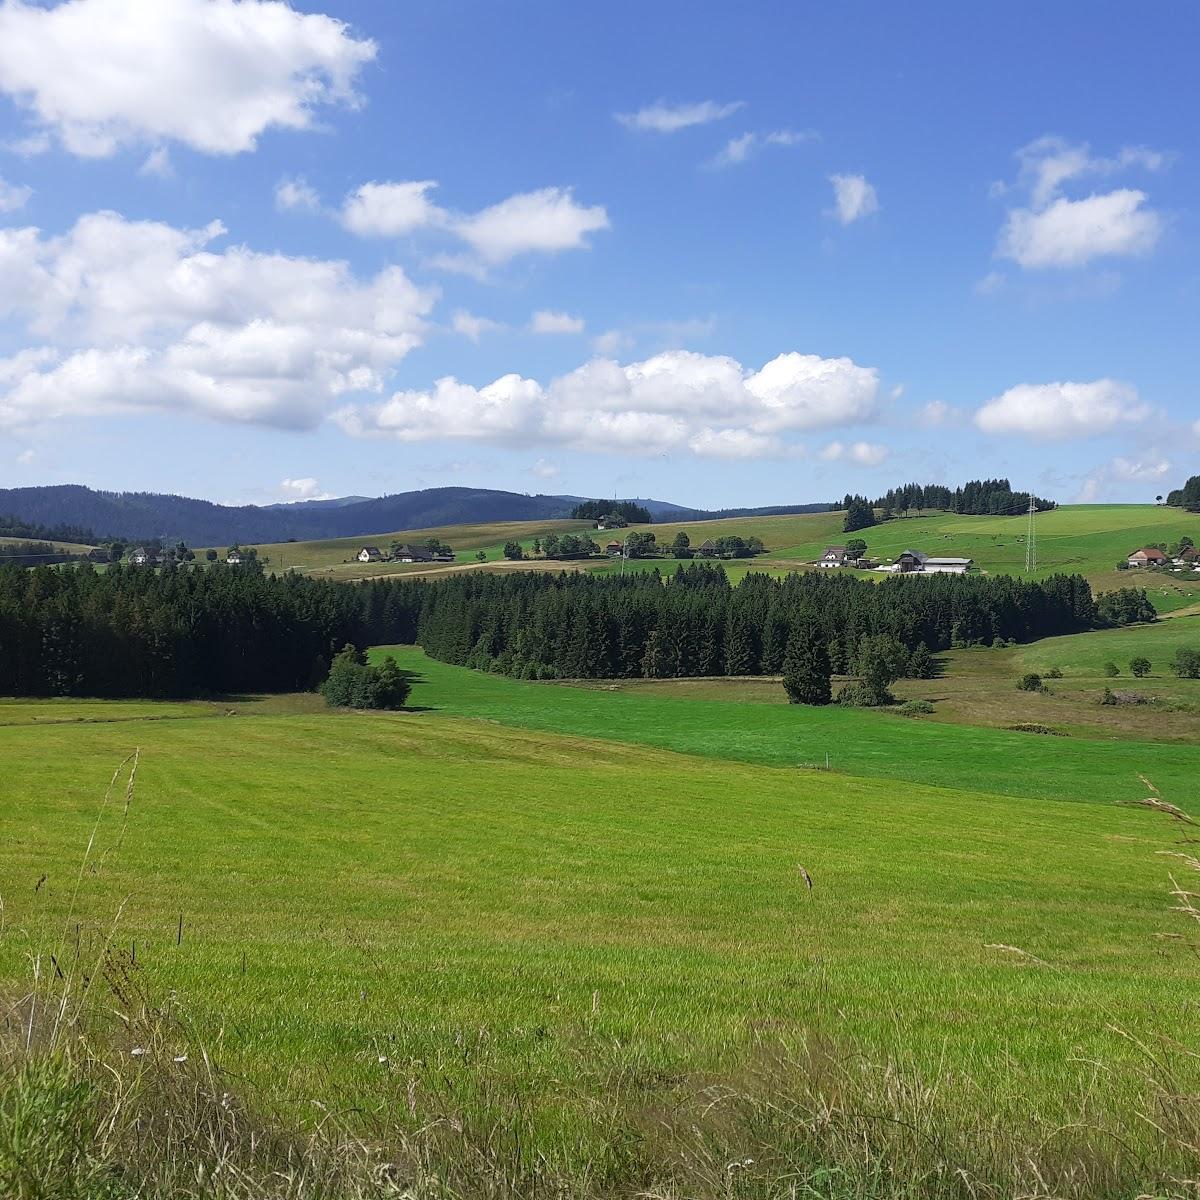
{"x":1030,"y":540}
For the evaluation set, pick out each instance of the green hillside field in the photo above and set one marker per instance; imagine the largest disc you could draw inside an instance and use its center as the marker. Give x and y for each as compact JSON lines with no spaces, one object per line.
{"x":431,"y":921}
{"x":1089,"y":539}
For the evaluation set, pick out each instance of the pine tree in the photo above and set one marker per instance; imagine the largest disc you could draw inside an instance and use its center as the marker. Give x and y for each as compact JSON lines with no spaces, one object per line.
{"x":806,"y":669}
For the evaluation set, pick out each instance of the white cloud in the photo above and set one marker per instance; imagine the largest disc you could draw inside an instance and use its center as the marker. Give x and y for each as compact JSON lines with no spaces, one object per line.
{"x":547,"y":220}
{"x":611,"y":342}
{"x":670,"y":118}
{"x":1054,"y":230}
{"x":157,"y":164}
{"x":547,"y":321}
{"x":1062,"y":410}
{"x":296,"y":195}
{"x":26,"y":457}
{"x":740,"y":149}
{"x":471,"y":326}
{"x":212,"y":74}
{"x":1070,"y":233}
{"x":990,"y":284}
{"x":303,"y":489}
{"x":1049,"y":162}
{"x":937,"y":413}
{"x":13,"y":196}
{"x":136,"y":314}
{"x":678,"y":400}
{"x":390,"y":209}
{"x":854,"y":196}
{"x":1118,"y":473}
{"x":864,"y":454}
{"x":544,"y":469}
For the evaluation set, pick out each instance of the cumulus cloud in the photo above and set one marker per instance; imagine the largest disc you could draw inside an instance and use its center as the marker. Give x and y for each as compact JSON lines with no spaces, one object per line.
{"x":390,"y":209}
{"x":212,"y":74}
{"x":547,"y":220}
{"x":543,"y":469}
{"x":303,"y":489}
{"x":854,"y":198}
{"x":1054,"y":230}
{"x":471,"y":326}
{"x":678,"y":400}
{"x":1070,"y":233}
{"x":670,"y":118}
{"x":1062,"y":410}
{"x":132,"y":315}
{"x":13,"y":196}
{"x":547,"y":321}
{"x":864,"y":454}
{"x":544,"y":221}
{"x":741,"y":149}
{"x":293,"y":195}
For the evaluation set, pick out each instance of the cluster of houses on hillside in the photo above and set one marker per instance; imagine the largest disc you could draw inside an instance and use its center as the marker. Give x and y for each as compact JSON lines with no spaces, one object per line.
{"x":908,"y":562}
{"x":1186,"y":558}
{"x":405,"y":553}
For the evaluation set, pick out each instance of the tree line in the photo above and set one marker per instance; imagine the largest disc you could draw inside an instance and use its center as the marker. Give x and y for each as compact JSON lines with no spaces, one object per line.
{"x":583,"y":626}
{"x":629,"y":511}
{"x":1187,"y":496}
{"x":217,"y":630}
{"x":978,"y":497}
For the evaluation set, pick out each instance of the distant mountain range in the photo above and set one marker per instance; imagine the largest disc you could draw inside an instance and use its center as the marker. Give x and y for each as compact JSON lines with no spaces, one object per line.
{"x":134,"y":515}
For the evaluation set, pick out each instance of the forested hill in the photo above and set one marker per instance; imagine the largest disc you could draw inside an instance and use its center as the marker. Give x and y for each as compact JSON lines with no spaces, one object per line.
{"x":202,"y":523}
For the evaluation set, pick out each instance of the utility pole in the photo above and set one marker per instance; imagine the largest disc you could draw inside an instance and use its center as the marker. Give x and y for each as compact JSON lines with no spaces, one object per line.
{"x":1031,"y":540}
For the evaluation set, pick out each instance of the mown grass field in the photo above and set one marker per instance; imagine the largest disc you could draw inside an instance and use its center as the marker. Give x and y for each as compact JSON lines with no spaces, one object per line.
{"x":422,"y":910}
{"x":1088,"y":539}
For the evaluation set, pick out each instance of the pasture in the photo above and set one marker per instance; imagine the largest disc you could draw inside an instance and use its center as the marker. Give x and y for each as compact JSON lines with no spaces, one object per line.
{"x":1087,"y":539}
{"x":433,"y":917}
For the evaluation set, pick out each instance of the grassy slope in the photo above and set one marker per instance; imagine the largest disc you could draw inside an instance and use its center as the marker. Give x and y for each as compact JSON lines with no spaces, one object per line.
{"x":861,"y":743}
{"x":1089,"y":539}
{"x":546,"y":913}
{"x":65,"y":547}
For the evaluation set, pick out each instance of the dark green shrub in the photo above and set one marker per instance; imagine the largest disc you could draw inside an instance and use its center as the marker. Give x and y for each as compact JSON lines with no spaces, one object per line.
{"x":1031,"y":682}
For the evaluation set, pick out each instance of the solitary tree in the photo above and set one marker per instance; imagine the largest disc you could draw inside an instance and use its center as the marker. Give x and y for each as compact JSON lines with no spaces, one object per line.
{"x":1186,"y":663}
{"x":681,"y":546}
{"x":513,"y":550}
{"x":806,"y":669}
{"x":1139,"y":667}
{"x":881,"y":661}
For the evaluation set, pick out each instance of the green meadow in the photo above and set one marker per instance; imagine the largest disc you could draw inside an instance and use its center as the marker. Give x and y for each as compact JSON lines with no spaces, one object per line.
{"x":606,"y":939}
{"x":1087,"y":539}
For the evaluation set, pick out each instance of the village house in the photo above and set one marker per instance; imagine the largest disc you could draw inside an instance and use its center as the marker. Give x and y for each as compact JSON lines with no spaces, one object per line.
{"x":834,"y":556}
{"x":707,"y":549}
{"x":1188,"y":557}
{"x":370,"y":554}
{"x":233,"y":558}
{"x":142,"y":557}
{"x":412,"y":554}
{"x":614,"y":549}
{"x":1147,"y":556}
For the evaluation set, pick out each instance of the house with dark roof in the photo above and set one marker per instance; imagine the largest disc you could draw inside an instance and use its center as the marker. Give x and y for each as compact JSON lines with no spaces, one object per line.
{"x":411,"y":554}
{"x":834,"y":556}
{"x":370,"y":554}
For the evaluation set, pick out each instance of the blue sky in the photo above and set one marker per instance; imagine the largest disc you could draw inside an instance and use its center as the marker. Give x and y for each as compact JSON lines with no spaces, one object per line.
{"x":255,"y":252}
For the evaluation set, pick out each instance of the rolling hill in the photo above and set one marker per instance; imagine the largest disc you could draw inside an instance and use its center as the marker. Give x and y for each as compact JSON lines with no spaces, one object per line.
{"x":203,"y":523}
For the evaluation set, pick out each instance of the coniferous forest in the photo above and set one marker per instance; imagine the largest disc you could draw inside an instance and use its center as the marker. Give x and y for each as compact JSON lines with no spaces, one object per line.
{"x":192,"y":631}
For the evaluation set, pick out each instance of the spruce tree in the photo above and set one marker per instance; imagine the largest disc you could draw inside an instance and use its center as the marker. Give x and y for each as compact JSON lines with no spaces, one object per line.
{"x":806,"y":669}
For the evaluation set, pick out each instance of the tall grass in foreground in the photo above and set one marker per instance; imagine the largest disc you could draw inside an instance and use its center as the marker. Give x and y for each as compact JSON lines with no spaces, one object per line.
{"x":105,"y":1094}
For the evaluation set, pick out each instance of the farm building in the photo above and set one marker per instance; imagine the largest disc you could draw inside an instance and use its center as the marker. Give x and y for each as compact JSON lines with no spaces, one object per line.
{"x":1189,"y":556}
{"x":834,"y":556}
{"x":914,"y":562}
{"x":1147,"y":556}
{"x":707,"y":549}
{"x":369,"y":554}
{"x":614,"y":549}
{"x":411,"y":554}
{"x":233,"y":558}
{"x":142,"y":557}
